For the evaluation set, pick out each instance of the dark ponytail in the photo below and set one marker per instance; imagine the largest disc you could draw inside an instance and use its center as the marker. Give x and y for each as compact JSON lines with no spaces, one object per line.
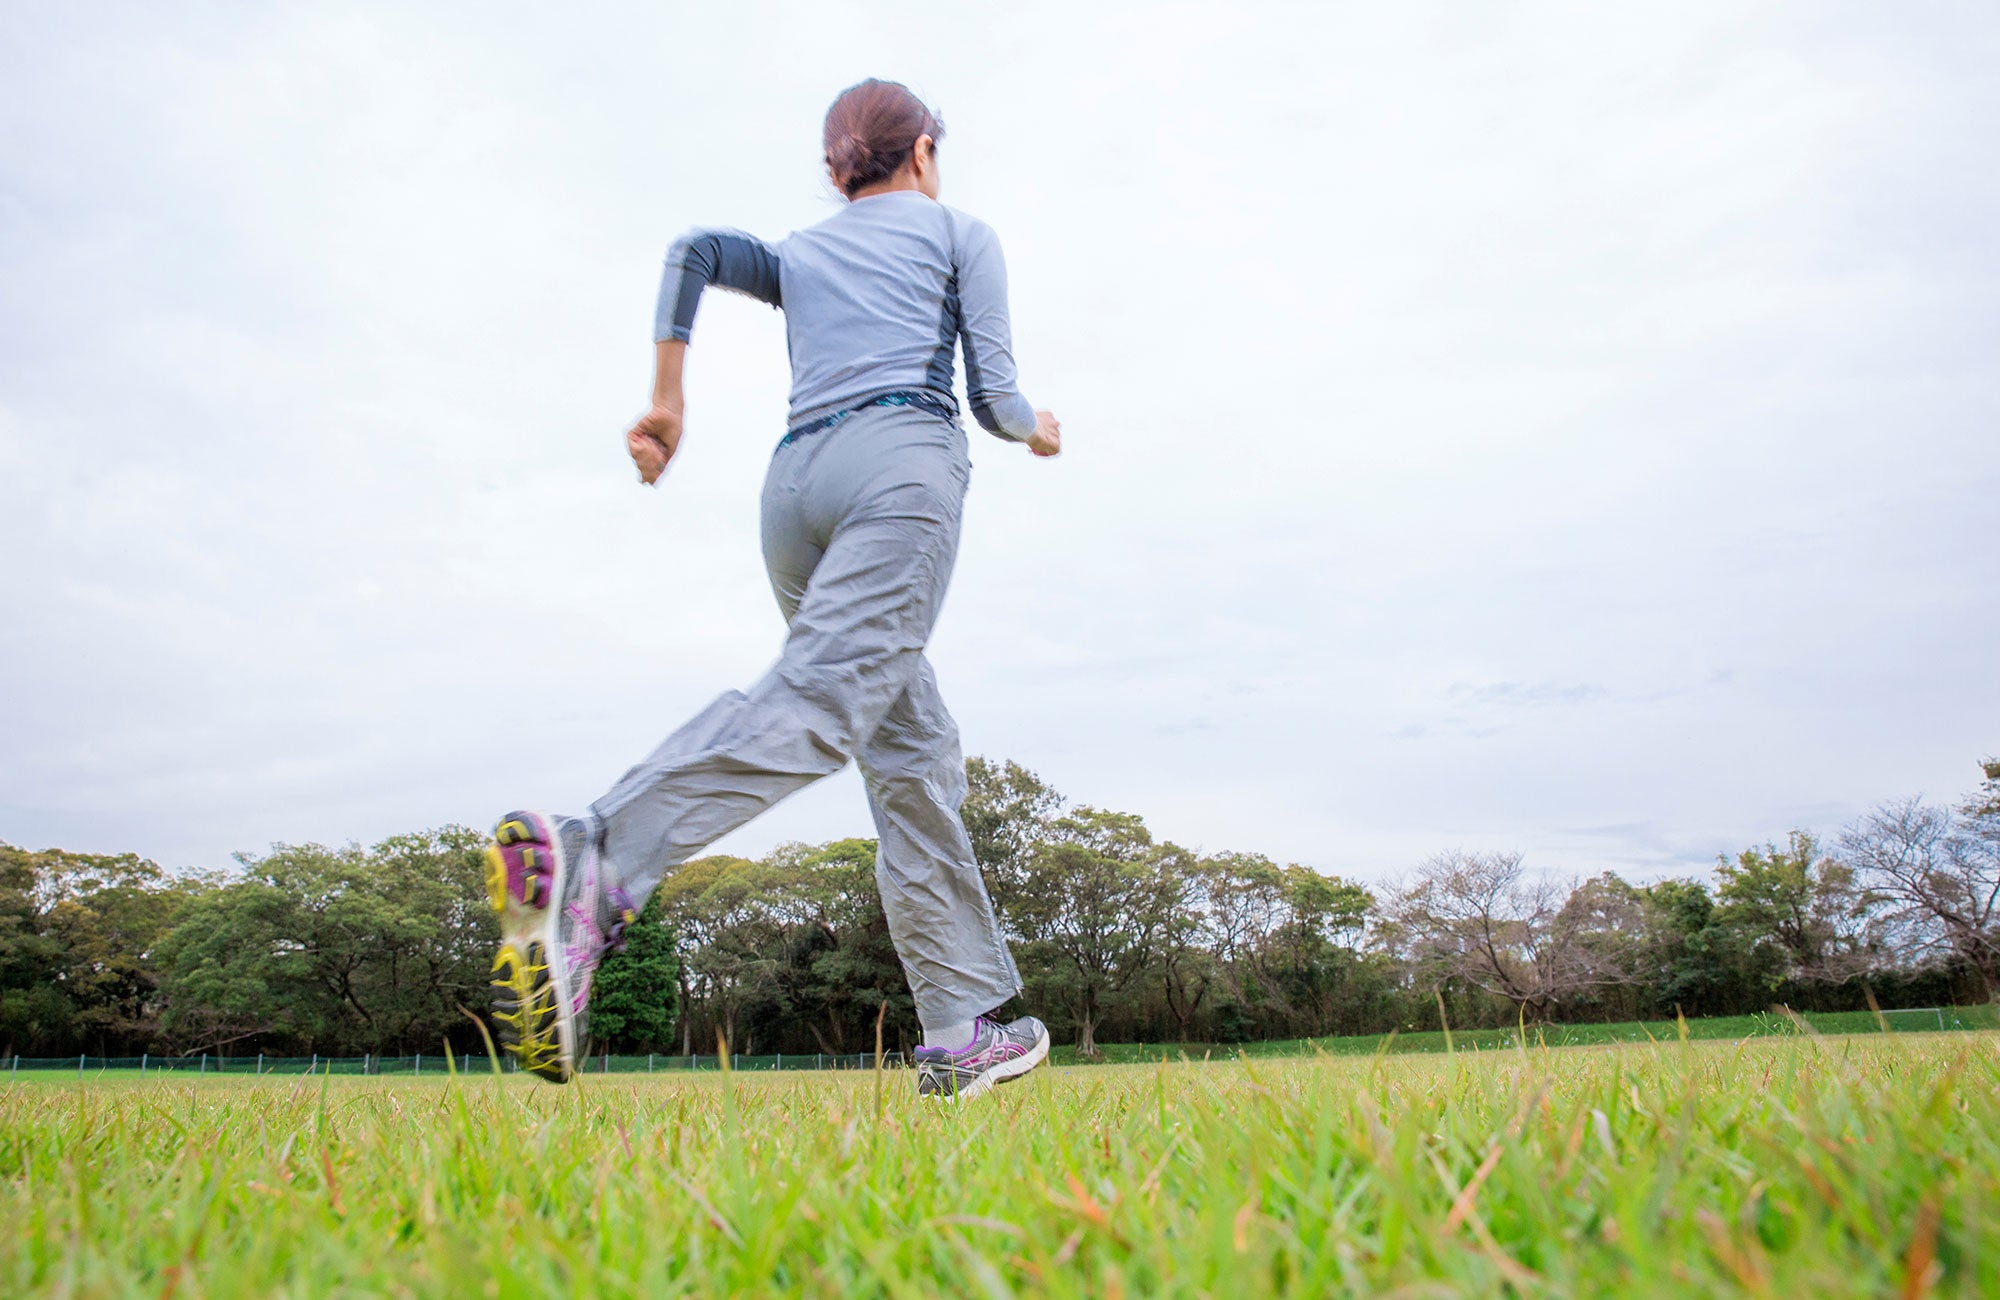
{"x":870,"y":131}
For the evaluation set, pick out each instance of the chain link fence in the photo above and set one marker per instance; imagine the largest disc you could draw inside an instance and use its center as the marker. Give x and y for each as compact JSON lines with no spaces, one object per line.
{"x":426,"y":1063}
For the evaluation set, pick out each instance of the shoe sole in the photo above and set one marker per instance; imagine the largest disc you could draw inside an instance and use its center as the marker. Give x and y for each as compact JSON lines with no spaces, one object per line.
{"x":1005,"y":1072}
{"x":531,"y":986}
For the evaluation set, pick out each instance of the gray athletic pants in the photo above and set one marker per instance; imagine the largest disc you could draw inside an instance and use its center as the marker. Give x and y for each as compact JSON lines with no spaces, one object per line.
{"x":860,"y":531}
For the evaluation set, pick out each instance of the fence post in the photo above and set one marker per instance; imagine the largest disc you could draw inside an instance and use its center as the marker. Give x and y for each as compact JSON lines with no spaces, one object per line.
{"x":260,"y":1064}
{"x":420,"y":1062}
{"x":606,"y":1068}
{"x":366,"y":1057}
{"x":314,"y":1067}
{"x":781,"y":1061}
{"x":204,"y":1063}
{"x":142,"y":1061}
{"x":649,"y":1063}
{"x":79,"y":1065}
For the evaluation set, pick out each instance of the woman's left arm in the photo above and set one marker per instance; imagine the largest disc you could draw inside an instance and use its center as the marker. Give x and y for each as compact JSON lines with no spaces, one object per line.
{"x":987,"y":338}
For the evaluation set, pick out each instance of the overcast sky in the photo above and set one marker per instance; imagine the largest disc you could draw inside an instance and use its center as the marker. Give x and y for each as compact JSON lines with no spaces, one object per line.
{"x":1569,"y":429}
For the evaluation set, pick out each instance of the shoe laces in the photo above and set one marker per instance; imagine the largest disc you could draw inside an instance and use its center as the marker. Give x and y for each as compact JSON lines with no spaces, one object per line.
{"x":623,"y":916}
{"x":605,"y":941}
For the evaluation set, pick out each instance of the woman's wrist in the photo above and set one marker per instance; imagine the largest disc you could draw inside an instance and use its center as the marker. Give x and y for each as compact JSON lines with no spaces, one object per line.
{"x":670,"y":356}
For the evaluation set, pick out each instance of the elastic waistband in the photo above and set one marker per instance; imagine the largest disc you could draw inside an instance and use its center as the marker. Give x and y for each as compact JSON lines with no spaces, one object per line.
{"x":922,"y":399}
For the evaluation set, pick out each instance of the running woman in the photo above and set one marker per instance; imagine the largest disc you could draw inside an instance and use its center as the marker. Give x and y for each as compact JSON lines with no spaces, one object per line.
{"x":861,"y":514}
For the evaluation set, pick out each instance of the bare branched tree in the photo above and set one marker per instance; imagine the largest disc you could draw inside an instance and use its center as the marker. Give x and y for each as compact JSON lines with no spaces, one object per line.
{"x":1934,"y":875}
{"x":1532,"y":940}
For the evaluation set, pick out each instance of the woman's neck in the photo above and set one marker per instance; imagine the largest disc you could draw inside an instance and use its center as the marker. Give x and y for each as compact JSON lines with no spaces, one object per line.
{"x":900,"y":181}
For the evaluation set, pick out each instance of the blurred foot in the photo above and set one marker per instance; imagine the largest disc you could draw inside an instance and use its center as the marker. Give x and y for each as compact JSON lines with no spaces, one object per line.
{"x":545,"y":879}
{"x":996,"y":1054}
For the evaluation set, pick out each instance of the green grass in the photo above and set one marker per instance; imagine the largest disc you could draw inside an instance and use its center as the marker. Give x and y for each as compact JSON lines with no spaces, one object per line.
{"x":1794,"y":1166}
{"x":1982,"y":1016}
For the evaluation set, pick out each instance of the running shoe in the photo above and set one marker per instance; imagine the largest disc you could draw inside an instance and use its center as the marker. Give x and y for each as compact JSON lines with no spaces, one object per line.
{"x":545,"y":879}
{"x":997,"y":1054}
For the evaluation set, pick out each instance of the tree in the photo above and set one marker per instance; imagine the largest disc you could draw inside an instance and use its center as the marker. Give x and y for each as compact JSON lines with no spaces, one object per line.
{"x":33,"y":1011}
{"x":227,"y":974}
{"x":443,"y":964}
{"x":707,"y":902}
{"x":1119,"y":938}
{"x":1090,"y":905}
{"x":852,"y":970}
{"x":1311,"y":956}
{"x":1477,"y":918}
{"x":1985,"y":801}
{"x":1935,"y":876}
{"x":337,"y":950}
{"x":1007,"y":812}
{"x":78,"y":940}
{"x":1245,"y":904}
{"x":1799,"y":904}
{"x":636,"y":994}
{"x":1696,"y":963}
{"x":1187,"y":967}
{"x":107,"y":915}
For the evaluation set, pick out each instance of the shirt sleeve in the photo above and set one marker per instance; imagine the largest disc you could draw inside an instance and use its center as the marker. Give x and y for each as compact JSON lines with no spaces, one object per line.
{"x":728,"y":259}
{"x":991,"y":383}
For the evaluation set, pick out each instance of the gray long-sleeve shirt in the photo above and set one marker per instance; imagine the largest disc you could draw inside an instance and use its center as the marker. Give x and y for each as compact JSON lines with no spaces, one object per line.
{"x":875,"y":298}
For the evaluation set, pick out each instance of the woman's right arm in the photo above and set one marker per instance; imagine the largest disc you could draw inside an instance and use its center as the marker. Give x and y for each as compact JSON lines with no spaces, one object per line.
{"x":728,"y":259}
{"x":653,"y":440}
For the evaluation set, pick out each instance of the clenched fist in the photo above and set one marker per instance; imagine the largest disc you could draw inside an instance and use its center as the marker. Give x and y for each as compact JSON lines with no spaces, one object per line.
{"x":1047,"y":437}
{"x":653,"y":440}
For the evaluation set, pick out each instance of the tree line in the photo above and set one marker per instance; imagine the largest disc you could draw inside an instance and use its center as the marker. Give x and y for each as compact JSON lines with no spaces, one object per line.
{"x":1120,"y":936}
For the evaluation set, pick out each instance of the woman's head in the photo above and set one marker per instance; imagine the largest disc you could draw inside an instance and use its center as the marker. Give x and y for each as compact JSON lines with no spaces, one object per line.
{"x":875,"y":132}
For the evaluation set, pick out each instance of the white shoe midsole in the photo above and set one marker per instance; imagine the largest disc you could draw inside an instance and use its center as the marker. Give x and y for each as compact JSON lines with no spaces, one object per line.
{"x":1020,"y":1065}
{"x":524,"y":924}
{"x":1001,"y":1073}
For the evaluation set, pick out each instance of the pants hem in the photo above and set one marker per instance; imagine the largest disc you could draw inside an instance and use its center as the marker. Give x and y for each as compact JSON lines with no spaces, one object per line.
{"x":963,"y":1008}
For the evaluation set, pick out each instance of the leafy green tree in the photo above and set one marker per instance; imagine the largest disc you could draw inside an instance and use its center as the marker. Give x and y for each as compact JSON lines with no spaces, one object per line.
{"x":78,"y":940}
{"x":34,"y":1013}
{"x":229,"y":973}
{"x":1188,"y":969}
{"x":636,"y":996}
{"x":1242,"y":905}
{"x":1311,"y":958}
{"x":852,"y":969}
{"x":337,"y":950}
{"x":439,"y":969}
{"x":108,"y":915}
{"x":1007,"y":812}
{"x":791,"y":952}
{"x":1799,"y":907}
{"x":1697,"y":964}
{"x":718,"y":907}
{"x":1091,"y":906}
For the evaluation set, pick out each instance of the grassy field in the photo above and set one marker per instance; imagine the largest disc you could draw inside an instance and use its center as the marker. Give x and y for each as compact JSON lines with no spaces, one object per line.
{"x":1781,"y":1024}
{"x":1796,"y":1166}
